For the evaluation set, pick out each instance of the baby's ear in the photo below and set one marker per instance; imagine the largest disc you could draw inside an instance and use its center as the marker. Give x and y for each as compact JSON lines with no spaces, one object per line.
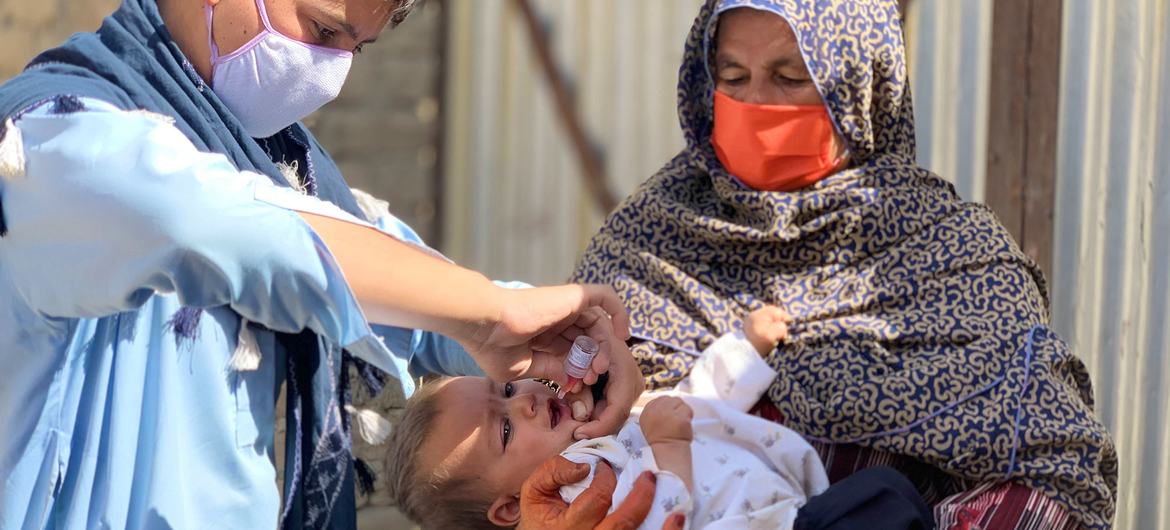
{"x":505,"y":511}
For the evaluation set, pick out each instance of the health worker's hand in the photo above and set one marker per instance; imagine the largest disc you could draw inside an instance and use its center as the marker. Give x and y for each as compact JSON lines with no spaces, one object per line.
{"x":624,"y":388}
{"x":534,"y":328}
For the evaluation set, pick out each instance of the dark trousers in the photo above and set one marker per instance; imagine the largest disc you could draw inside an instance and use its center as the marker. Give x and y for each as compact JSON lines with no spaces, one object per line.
{"x":872,"y":499}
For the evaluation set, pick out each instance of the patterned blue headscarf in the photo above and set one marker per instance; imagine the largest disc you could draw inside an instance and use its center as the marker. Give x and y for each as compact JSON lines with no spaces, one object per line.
{"x":920,"y":327}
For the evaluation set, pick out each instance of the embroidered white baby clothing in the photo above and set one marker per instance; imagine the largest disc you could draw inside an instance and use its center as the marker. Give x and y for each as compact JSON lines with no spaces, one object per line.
{"x":748,"y":472}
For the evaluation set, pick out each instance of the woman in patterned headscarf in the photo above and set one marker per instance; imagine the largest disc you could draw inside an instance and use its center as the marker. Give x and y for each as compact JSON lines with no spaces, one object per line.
{"x":921,"y":333}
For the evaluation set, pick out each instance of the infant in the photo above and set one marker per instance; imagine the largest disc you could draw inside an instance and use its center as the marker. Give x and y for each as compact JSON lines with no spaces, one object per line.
{"x":465,"y":445}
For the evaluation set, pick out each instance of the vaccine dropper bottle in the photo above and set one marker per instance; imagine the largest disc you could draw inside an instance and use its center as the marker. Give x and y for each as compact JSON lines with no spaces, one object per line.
{"x":577,"y":363}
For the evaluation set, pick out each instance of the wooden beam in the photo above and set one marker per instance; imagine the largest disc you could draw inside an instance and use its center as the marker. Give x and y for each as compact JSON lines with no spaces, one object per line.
{"x":438,"y":182}
{"x":1023,"y":121}
{"x":588,"y":157}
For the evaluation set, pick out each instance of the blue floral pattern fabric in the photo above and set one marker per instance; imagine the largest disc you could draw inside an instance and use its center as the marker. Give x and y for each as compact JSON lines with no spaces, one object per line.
{"x":920,"y":326}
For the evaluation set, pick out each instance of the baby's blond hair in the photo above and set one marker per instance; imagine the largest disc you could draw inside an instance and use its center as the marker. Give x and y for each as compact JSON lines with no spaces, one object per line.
{"x":433,"y":498}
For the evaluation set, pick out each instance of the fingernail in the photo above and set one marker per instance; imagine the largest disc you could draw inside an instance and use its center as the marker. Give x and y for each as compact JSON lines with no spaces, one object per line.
{"x":649,"y":475}
{"x":678,"y":520}
{"x":580,"y":413}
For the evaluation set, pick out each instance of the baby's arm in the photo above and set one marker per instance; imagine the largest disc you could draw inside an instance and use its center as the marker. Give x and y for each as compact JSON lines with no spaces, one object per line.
{"x":666,"y":424}
{"x":732,"y":369}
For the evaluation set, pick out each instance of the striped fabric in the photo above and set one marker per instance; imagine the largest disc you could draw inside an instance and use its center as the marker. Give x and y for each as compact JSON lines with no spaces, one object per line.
{"x":1001,"y":506}
{"x":958,"y":504}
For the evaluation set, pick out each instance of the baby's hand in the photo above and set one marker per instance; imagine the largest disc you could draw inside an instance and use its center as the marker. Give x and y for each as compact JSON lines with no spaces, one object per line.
{"x":666,"y":424}
{"x":766,"y":327}
{"x":667,"y":419}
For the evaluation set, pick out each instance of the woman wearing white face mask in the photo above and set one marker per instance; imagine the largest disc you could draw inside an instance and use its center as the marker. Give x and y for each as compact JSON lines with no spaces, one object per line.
{"x":274,"y":67}
{"x":159,"y":278}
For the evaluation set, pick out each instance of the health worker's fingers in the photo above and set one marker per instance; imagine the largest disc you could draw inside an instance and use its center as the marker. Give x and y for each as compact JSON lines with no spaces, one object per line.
{"x":624,"y":387}
{"x":607,"y":298}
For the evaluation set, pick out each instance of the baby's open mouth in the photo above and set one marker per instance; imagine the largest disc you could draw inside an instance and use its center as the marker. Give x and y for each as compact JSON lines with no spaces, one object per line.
{"x":555,"y":410}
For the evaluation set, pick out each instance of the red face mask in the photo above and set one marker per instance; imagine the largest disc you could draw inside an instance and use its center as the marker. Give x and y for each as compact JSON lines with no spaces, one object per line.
{"x":773,"y":147}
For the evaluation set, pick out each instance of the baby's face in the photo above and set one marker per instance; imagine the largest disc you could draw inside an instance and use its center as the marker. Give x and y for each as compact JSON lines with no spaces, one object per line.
{"x":500,"y":433}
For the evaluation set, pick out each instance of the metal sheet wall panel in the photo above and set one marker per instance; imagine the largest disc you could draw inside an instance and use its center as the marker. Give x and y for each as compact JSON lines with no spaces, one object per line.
{"x":948,"y":46}
{"x":515,"y":205}
{"x":1110,"y":288}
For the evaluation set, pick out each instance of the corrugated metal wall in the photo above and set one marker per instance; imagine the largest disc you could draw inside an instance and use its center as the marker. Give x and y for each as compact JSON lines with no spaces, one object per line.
{"x":1110,"y":290}
{"x":515,"y":207}
{"x":949,"y":52}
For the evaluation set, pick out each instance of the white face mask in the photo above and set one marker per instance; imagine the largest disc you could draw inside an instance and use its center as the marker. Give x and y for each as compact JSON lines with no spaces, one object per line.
{"x":274,"y":81}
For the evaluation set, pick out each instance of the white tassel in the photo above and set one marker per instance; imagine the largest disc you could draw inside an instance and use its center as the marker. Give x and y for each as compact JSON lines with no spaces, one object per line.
{"x":161,"y":118}
{"x":12,"y":152}
{"x":292,"y":176}
{"x":371,"y":426}
{"x":246,"y":358}
{"x":373,"y":207}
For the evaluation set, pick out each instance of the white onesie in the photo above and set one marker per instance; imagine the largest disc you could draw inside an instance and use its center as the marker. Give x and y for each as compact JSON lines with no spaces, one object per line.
{"x":748,"y":472}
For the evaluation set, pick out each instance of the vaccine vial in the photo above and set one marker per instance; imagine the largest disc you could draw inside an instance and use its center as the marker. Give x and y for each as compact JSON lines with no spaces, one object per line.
{"x":577,"y":363}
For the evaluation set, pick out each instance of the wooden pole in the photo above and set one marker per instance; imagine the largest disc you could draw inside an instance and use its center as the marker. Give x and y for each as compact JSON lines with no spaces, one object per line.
{"x":590,"y":160}
{"x":1023,"y":121}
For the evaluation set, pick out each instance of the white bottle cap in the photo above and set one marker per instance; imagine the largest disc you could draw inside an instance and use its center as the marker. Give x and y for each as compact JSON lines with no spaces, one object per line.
{"x":581,"y":356}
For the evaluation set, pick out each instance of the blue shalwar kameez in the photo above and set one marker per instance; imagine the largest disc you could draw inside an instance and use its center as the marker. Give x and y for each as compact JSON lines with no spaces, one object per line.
{"x":139,"y":229}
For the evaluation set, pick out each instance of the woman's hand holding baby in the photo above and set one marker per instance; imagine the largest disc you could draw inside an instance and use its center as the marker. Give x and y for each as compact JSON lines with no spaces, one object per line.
{"x":541,"y":506}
